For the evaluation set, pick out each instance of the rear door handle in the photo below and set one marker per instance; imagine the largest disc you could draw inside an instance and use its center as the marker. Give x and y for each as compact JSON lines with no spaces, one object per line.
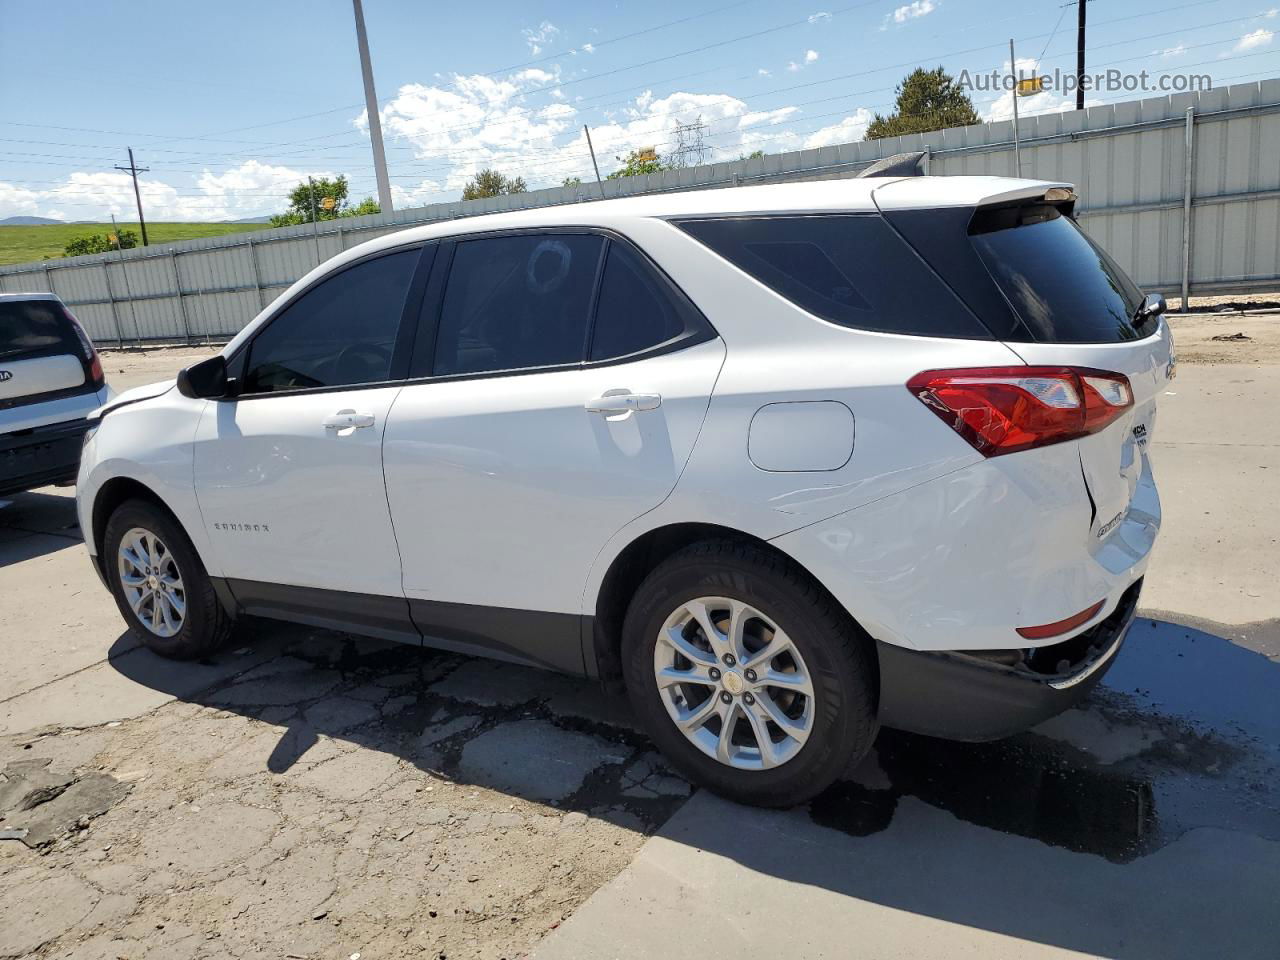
{"x":624,"y":402}
{"x":348,"y":420}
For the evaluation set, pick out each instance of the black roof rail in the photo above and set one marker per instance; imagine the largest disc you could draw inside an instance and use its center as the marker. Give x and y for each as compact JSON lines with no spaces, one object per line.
{"x":898,"y":165}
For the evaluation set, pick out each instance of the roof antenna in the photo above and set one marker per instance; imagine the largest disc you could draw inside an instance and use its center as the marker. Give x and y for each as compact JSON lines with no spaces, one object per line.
{"x":898,"y":165}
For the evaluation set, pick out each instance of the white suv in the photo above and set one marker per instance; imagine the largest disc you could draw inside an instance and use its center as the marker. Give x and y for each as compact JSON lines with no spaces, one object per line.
{"x":50,"y":381}
{"x":789,"y":461}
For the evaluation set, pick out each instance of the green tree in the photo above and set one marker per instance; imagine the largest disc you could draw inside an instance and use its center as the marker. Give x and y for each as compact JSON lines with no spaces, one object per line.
{"x":927,"y":100}
{"x":491,"y":183}
{"x":639,"y":162}
{"x":100,"y":243}
{"x":753,"y":155}
{"x":327,"y":197}
{"x":572,"y":182}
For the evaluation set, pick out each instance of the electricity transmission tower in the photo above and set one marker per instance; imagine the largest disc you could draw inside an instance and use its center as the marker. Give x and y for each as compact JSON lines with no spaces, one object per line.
{"x":691,"y":148}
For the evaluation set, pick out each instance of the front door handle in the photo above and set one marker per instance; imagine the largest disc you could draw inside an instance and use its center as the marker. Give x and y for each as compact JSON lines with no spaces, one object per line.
{"x":348,"y":420}
{"x":624,"y":402}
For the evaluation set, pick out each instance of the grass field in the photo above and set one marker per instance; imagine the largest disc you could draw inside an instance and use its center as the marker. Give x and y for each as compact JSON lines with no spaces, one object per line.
{"x":25,"y":244}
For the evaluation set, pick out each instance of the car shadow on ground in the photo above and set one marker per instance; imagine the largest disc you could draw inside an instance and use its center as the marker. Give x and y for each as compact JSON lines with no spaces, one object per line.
{"x":36,"y":524}
{"x":1184,"y":736}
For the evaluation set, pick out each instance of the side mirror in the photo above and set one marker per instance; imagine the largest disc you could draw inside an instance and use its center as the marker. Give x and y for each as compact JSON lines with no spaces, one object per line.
{"x":204,"y":380}
{"x":1152,"y":306}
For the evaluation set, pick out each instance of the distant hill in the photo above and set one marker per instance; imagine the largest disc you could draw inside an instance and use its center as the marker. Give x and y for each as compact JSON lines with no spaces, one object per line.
{"x":250,"y":220}
{"x":26,"y":221}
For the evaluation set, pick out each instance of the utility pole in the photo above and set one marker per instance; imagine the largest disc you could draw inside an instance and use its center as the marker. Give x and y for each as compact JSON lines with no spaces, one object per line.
{"x":1013,"y":68}
{"x":587,"y":131}
{"x":134,"y":169}
{"x":1080,"y":4}
{"x":371,"y":106}
{"x":315,"y":217}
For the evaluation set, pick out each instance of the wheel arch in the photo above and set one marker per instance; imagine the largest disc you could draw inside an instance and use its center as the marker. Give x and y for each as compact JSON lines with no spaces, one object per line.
{"x":635,"y":562}
{"x":115,"y":492}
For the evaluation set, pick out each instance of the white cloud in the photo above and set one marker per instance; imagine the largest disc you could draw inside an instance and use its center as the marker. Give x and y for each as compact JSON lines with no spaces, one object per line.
{"x":1175,"y":51}
{"x":539,"y":36}
{"x":588,"y":48}
{"x":247,"y":190}
{"x":811,"y":56}
{"x":1252,"y":41}
{"x":762,"y":72}
{"x":912,"y":11}
{"x":1272,"y":13}
{"x":820,"y":17}
{"x":793,"y":67}
{"x":850,"y":129}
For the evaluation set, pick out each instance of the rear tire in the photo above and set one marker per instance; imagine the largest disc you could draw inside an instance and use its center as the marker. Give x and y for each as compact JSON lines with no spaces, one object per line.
{"x":160,"y":585}
{"x":817,"y":718}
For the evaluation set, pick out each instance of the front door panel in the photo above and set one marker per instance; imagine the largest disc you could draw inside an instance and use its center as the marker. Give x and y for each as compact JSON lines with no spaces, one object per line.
{"x":290,"y":488}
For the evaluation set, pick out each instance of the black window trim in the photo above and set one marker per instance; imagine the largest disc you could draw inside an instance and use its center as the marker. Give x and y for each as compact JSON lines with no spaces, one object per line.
{"x":423,"y":354}
{"x":428,"y":254}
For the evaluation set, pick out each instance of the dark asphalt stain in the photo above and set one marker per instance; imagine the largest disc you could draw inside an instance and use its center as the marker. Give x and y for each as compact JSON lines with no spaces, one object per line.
{"x":1211,"y":713}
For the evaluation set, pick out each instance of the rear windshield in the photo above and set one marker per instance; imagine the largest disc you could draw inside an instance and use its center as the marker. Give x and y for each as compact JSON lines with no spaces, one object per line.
{"x":1061,"y":284}
{"x":853,"y":270}
{"x":34,"y":326}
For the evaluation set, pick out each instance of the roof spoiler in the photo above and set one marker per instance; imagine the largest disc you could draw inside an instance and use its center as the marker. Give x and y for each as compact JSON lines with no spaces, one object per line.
{"x":898,"y":165}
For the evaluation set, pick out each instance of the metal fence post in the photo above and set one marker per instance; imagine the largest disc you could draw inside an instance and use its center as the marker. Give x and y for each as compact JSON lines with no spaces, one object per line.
{"x":1188,"y":184}
{"x":115,"y":314}
{"x":128,"y":295}
{"x":48,"y":278}
{"x":177,"y":287}
{"x":257,"y":276}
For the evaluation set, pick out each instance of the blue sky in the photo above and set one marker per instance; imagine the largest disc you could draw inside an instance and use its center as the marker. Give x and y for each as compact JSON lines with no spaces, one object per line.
{"x":231,"y":103}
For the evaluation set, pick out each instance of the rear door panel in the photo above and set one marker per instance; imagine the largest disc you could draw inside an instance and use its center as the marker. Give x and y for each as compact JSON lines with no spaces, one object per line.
{"x":29,"y":378}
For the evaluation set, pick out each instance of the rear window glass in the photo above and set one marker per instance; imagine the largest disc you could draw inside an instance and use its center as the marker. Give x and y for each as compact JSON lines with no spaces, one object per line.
{"x":32,"y":326}
{"x":1063,"y":285}
{"x":848,"y":269}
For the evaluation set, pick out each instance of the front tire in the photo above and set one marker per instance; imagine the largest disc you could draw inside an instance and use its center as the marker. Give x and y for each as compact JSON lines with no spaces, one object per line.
{"x":160,"y":585}
{"x":747,"y":675}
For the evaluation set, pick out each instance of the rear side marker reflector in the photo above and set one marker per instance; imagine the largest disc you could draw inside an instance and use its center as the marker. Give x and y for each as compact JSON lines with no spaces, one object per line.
{"x":1002,"y":410}
{"x":1048,"y":630}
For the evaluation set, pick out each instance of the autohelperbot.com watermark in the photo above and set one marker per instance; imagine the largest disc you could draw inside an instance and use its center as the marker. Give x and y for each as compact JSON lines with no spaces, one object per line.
{"x":1066,"y":82}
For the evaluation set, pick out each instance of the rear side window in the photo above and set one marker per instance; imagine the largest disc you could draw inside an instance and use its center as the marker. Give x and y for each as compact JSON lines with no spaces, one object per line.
{"x":517,"y":301}
{"x":849,"y":269}
{"x":1061,"y":284}
{"x":637,"y":309}
{"x":35,"y":326}
{"x":340,"y":332}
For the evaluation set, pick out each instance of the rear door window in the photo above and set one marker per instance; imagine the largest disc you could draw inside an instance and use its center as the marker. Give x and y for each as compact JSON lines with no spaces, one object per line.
{"x":30,"y":327}
{"x":853,"y":270}
{"x":517,"y":302}
{"x":1062,"y":285}
{"x":637,"y":309}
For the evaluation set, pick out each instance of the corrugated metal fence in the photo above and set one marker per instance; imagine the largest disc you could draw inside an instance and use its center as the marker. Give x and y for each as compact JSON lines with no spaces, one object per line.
{"x":1183,"y":190}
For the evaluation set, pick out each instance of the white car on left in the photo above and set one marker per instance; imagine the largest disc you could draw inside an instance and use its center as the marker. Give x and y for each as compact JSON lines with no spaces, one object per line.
{"x":50,"y":381}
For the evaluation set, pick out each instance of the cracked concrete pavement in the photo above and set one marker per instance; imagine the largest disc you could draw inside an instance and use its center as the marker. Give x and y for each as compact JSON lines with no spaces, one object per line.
{"x":306,"y":794}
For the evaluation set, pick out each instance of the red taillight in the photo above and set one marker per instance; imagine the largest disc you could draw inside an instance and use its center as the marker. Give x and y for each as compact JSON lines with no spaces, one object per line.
{"x":95,"y":368}
{"x":1045,"y":631}
{"x":91,"y":357}
{"x":1006,"y":409}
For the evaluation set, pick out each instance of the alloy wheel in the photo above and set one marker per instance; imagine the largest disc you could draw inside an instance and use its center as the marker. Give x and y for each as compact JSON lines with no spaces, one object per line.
{"x":734,"y":683}
{"x":152,"y":582}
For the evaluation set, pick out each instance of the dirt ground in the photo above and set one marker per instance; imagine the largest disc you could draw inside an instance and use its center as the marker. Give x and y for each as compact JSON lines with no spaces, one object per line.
{"x":332,"y":797}
{"x":1214,"y":338}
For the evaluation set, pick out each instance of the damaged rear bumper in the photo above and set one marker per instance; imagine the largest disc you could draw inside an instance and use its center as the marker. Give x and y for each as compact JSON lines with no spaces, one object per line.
{"x":974,"y":696}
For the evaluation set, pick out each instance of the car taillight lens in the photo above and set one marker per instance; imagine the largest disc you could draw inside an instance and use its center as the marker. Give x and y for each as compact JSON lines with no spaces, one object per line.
{"x":1006,"y":409}
{"x":86,"y":345}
